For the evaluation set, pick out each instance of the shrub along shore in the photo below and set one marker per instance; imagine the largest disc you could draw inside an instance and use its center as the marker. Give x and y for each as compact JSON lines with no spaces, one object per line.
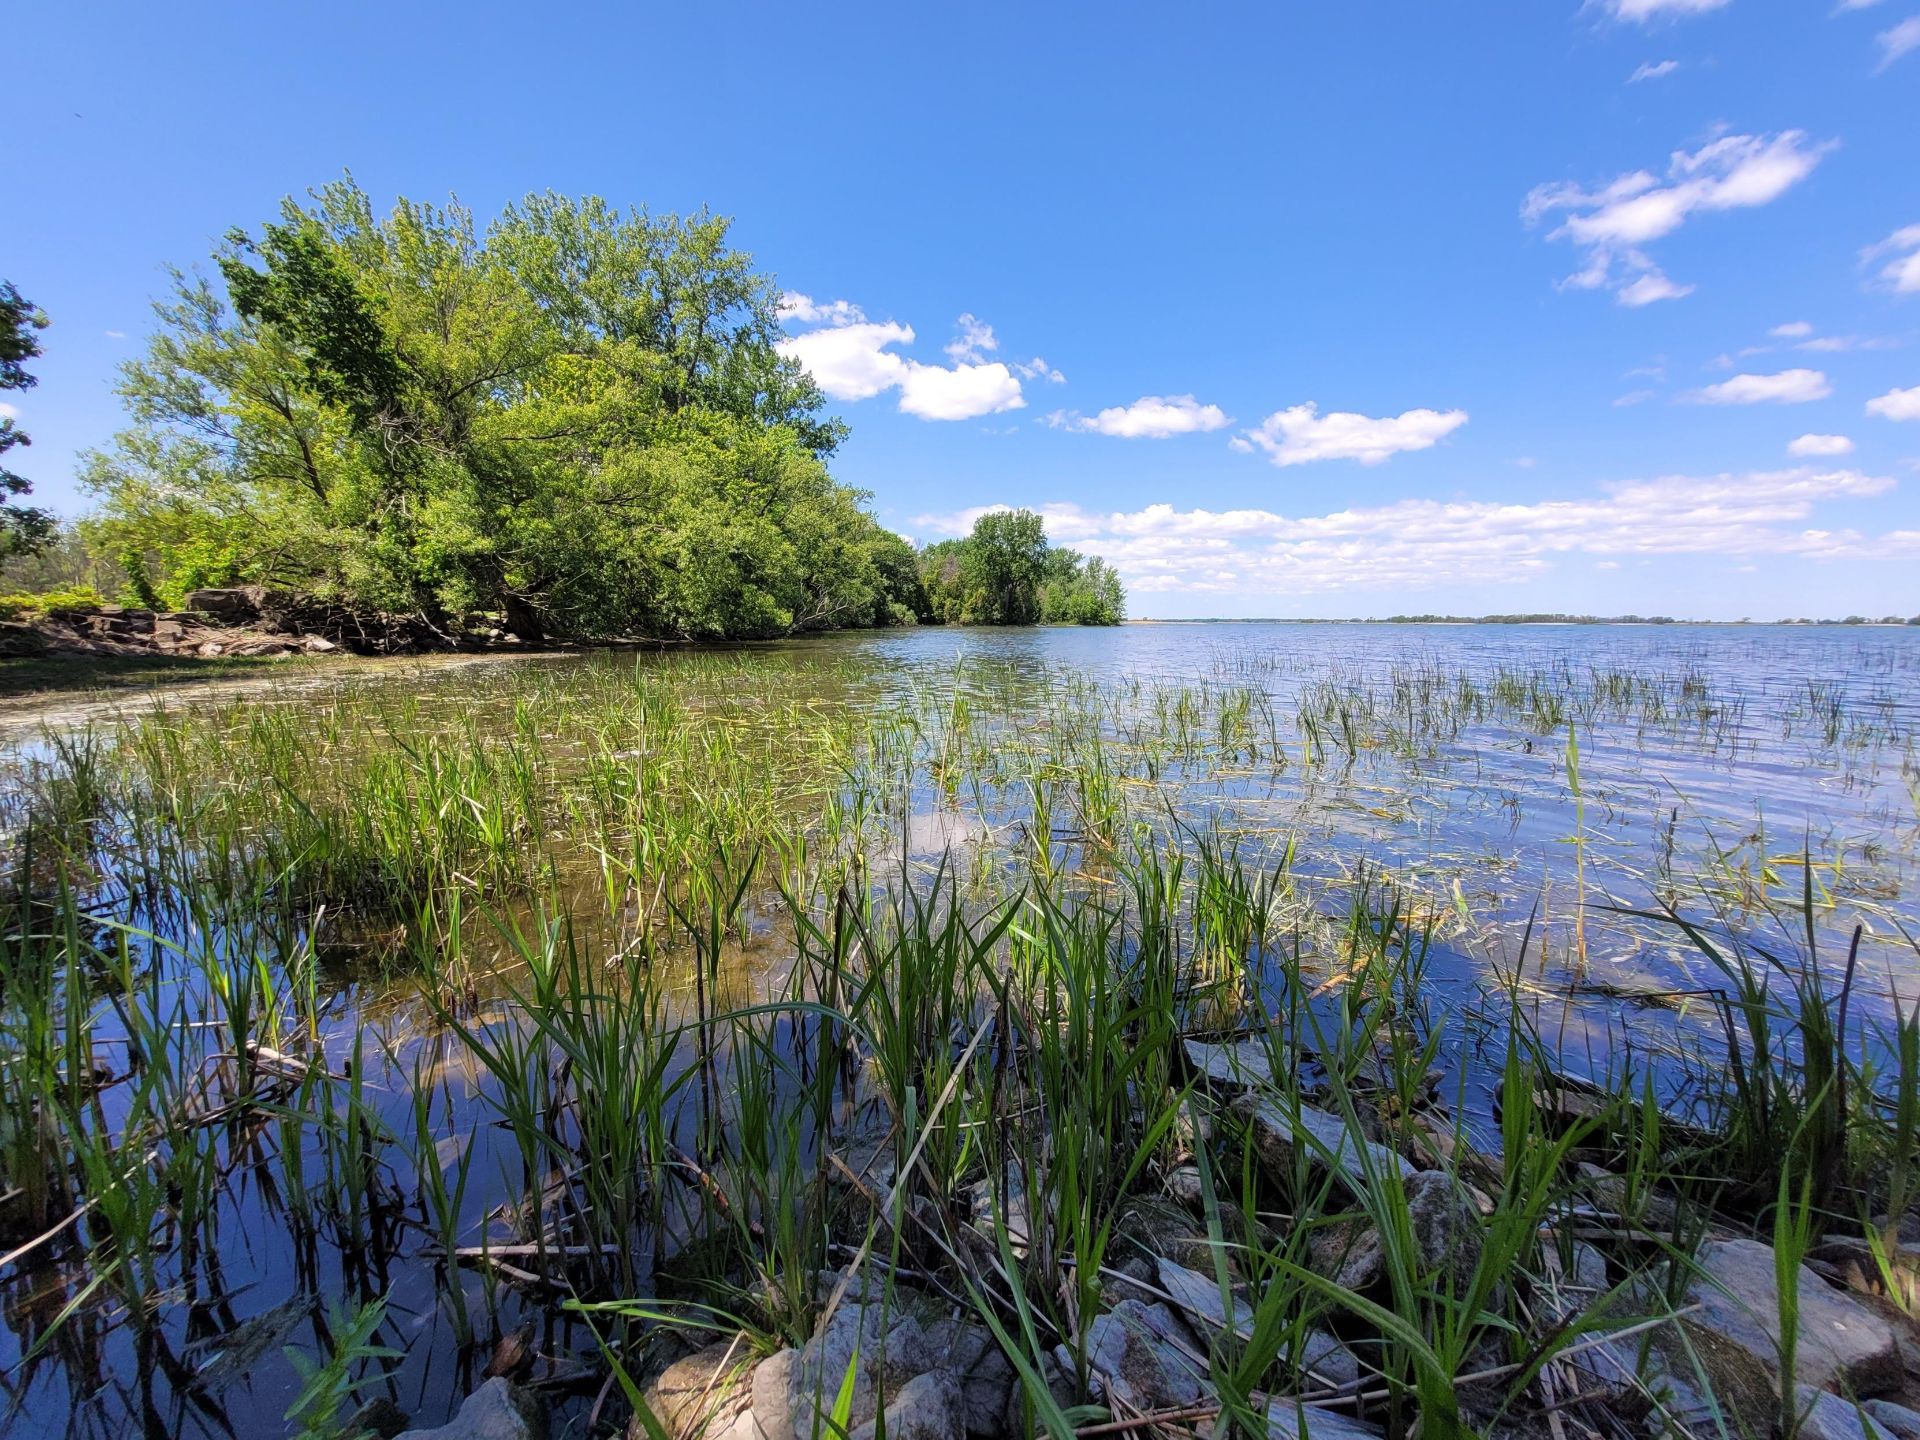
{"x":609,"y":1015}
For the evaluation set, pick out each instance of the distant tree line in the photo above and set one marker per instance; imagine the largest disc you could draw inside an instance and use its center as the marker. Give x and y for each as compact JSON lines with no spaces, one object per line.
{"x":1005,"y":573}
{"x":574,"y":419}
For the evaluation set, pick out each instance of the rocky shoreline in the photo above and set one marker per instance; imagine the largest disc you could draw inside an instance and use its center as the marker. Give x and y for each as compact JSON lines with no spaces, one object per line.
{"x":239,"y":621}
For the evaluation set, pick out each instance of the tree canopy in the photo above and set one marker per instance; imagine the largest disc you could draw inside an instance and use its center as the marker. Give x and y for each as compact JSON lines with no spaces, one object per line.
{"x":23,"y":528}
{"x":1005,"y":573}
{"x":575,"y":418}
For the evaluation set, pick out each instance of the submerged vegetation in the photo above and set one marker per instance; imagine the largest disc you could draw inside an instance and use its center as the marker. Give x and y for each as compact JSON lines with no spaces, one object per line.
{"x":816,"y":1037}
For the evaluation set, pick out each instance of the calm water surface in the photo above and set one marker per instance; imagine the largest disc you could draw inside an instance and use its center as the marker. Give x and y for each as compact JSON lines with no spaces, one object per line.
{"x":1515,"y":780}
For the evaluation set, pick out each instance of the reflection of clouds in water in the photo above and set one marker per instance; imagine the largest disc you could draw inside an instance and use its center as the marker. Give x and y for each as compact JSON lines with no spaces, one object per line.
{"x":931,"y":833}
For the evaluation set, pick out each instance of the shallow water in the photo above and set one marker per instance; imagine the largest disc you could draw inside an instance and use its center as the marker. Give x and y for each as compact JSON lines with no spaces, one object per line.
{"x":1516,"y":781}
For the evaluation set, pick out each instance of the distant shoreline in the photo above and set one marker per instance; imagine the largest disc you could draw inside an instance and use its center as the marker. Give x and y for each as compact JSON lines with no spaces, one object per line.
{"x":1850,"y":623}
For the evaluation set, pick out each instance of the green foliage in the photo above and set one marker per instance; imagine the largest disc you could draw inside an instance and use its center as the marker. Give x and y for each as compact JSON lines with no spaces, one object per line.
{"x":23,"y":528}
{"x":575,"y":419}
{"x":73,"y":597}
{"x":1005,"y":573}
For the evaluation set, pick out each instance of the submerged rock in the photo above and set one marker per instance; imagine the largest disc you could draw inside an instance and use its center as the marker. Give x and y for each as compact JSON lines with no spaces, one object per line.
{"x":496,"y":1411}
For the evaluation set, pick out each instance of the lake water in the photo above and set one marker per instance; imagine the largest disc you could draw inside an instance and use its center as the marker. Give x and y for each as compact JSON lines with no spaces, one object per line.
{"x":1516,"y":782}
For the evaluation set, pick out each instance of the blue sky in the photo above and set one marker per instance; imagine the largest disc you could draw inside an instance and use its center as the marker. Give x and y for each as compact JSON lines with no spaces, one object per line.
{"x":1378,"y":264}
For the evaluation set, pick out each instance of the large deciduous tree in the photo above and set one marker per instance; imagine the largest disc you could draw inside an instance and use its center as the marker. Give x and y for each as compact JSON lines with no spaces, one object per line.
{"x":575,"y":419}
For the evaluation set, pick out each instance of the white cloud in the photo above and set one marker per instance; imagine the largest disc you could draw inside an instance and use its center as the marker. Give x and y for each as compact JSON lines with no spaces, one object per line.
{"x":1151,"y":417}
{"x":1902,"y":39}
{"x":1792,"y":330}
{"x":1412,"y":543}
{"x":1525,"y":462}
{"x":1647,"y":10}
{"x":1633,"y":397}
{"x":1846,"y":5}
{"x":852,"y":362}
{"x":115,"y":334}
{"x":1038,"y":369}
{"x":1653,"y":70}
{"x":1787,"y":387}
{"x":1820,"y":445}
{"x":1300,"y":434}
{"x":1647,"y":288}
{"x":1896,"y":405}
{"x":1611,"y":223}
{"x":1901,"y":273}
{"x":1839,"y":344}
{"x":807,"y":311}
{"x":974,"y":342}
{"x":934,"y":392}
{"x":9,"y":412}
{"x":851,"y":358}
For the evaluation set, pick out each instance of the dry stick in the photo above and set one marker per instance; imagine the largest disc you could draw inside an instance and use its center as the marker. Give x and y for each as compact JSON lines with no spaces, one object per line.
{"x":893,"y":1193}
{"x":1158,"y":1417}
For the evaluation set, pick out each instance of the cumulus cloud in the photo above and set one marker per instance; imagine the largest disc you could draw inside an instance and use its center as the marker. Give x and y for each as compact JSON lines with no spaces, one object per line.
{"x":1644,"y":11}
{"x":1653,"y":70}
{"x":1902,"y":39}
{"x":1300,"y":434}
{"x":1820,"y":445}
{"x":1901,"y":250}
{"x":934,"y":392}
{"x":852,"y":358}
{"x":1787,"y":387}
{"x":1151,"y":417}
{"x":1411,"y":543}
{"x":1896,"y":404}
{"x":973,"y":340}
{"x":1038,"y":369}
{"x":1611,"y":223}
{"x":805,"y":310}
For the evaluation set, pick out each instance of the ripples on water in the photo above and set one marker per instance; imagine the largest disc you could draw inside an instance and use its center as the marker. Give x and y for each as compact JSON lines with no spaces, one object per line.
{"x":1514,"y":780}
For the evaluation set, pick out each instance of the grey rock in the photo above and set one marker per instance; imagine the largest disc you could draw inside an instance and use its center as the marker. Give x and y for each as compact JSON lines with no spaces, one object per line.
{"x":1897,"y":1420}
{"x":986,"y":1378}
{"x":1843,"y":1344}
{"x":1323,"y":1140}
{"x":985,"y":1203}
{"x":1828,"y":1417}
{"x":892,"y":1350}
{"x":496,"y":1411}
{"x":1185,"y":1188}
{"x":1289,"y":1420}
{"x":1237,"y":1065}
{"x":1326,"y":1360}
{"x":1140,"y":1357}
{"x":231,"y":606}
{"x":927,"y":1407}
{"x":1197,"y":1297}
{"x":1447,"y":1235}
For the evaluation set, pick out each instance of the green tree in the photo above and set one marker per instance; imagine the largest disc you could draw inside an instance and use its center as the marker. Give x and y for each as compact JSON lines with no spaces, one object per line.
{"x":1005,"y":573}
{"x":23,"y":528}
{"x":575,"y":419}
